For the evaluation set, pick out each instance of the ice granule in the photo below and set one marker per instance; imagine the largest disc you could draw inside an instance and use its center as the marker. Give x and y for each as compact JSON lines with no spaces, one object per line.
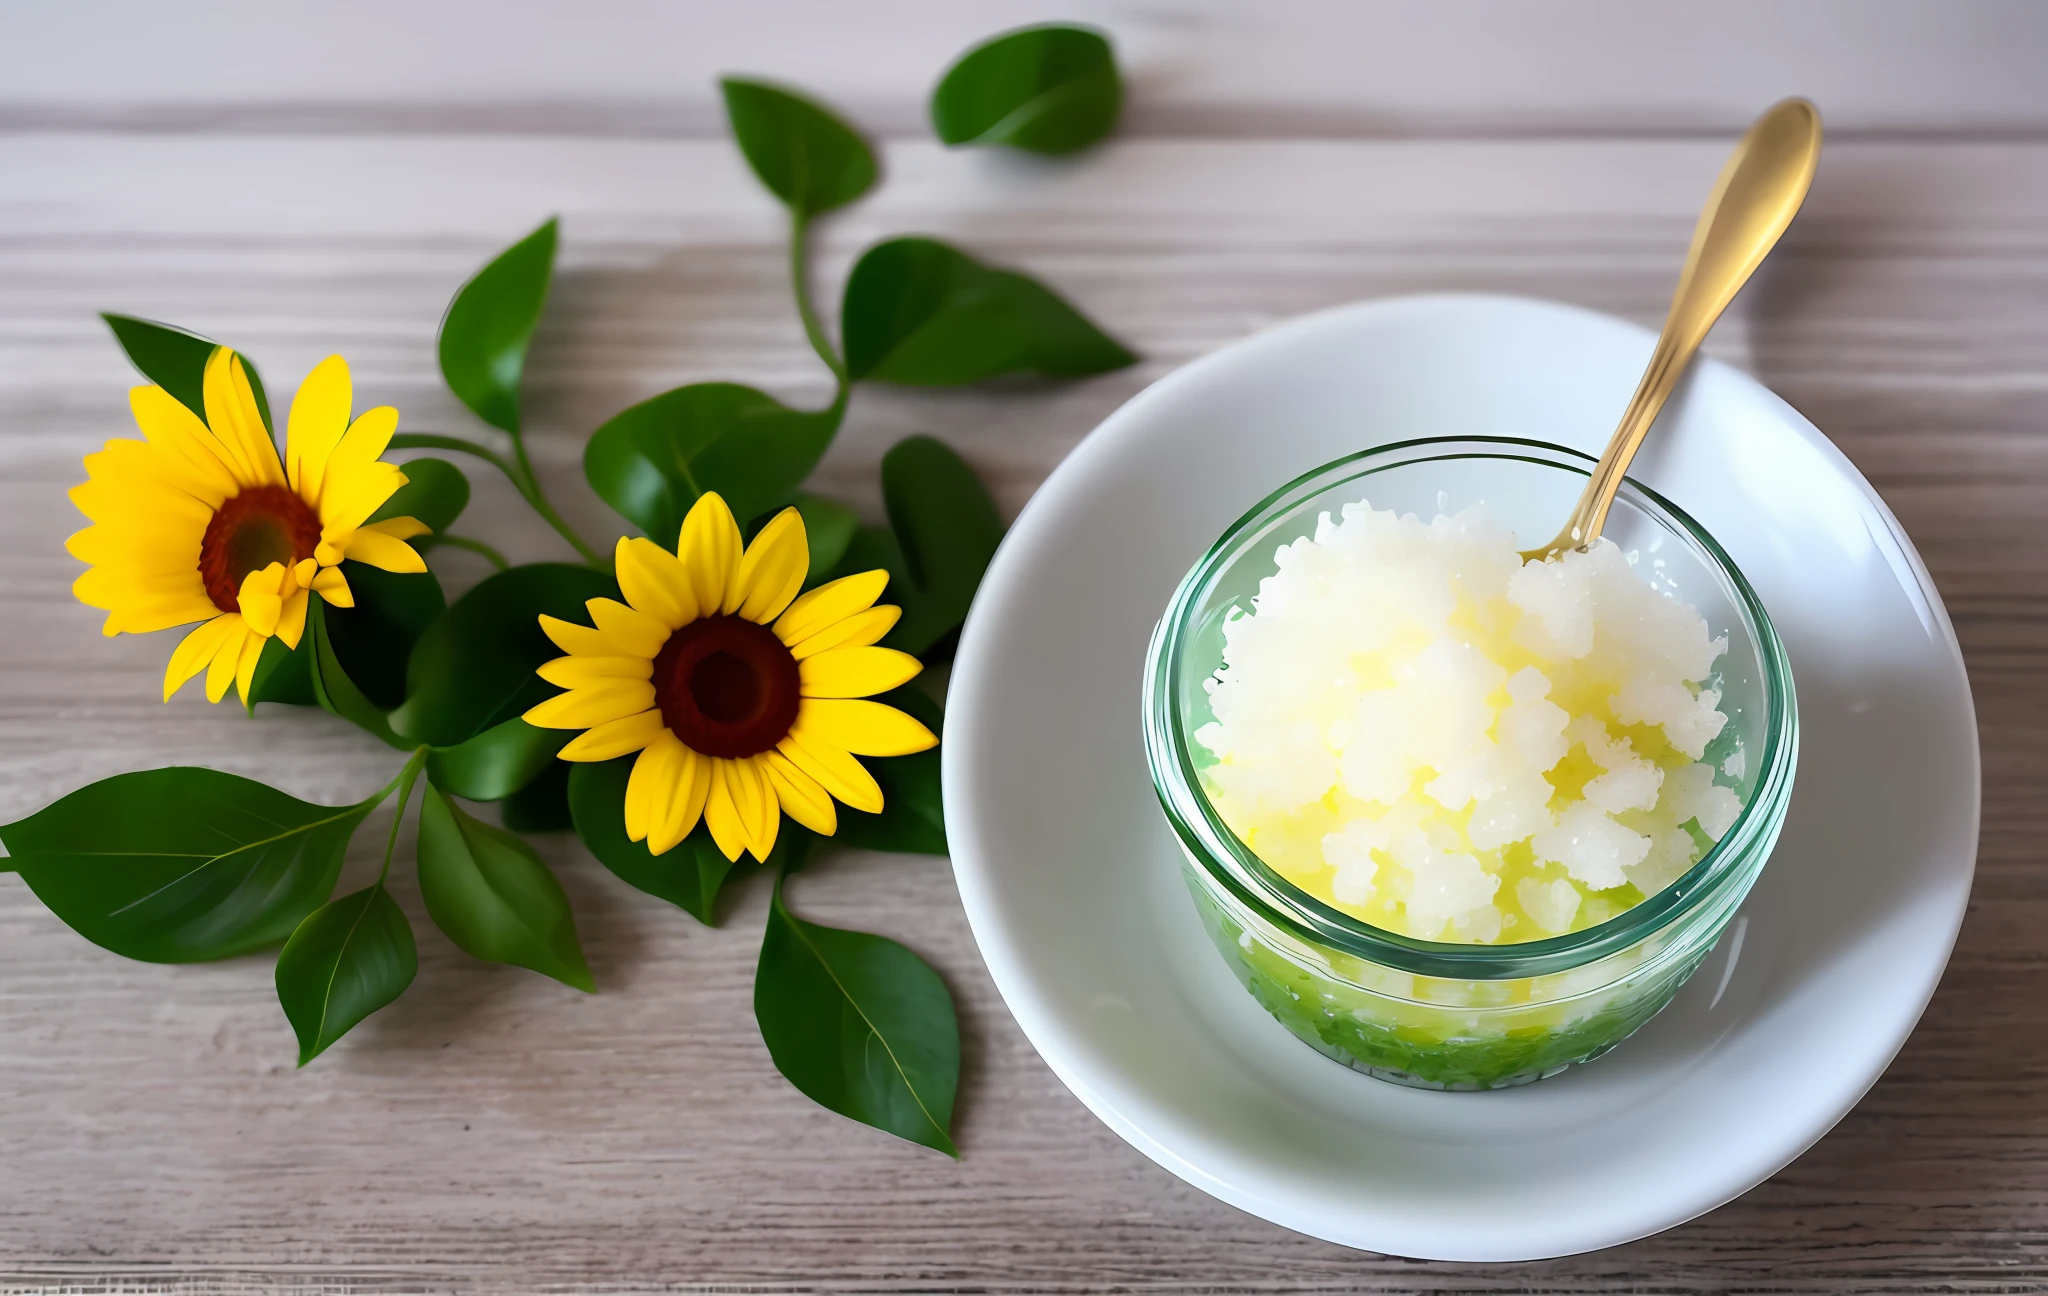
{"x":1591,"y":845}
{"x":1695,"y":795}
{"x":1448,"y":886}
{"x":1550,"y":905}
{"x":1413,"y":724}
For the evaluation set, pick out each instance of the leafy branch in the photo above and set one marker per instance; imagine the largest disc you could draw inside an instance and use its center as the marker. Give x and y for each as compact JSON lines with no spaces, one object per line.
{"x":184,"y":864}
{"x":484,"y":340}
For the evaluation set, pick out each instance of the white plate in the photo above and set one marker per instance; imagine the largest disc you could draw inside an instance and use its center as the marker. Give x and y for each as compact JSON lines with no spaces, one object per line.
{"x":1071,"y":878}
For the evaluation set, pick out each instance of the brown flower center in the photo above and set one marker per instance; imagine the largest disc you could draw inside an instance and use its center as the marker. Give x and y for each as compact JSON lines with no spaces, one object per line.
{"x":726,"y":686}
{"x":260,"y":526}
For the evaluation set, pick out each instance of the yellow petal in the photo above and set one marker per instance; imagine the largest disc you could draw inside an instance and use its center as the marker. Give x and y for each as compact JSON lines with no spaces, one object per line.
{"x":615,"y":738}
{"x":182,"y":450}
{"x":576,"y":639}
{"x":354,"y":484}
{"x":856,"y":672}
{"x":136,"y":606}
{"x":651,"y":783}
{"x":686,"y":806}
{"x":709,"y":549}
{"x":381,"y":550}
{"x":836,"y":771}
{"x":196,"y":649}
{"x":760,"y":816}
{"x":400,"y":528}
{"x":721,"y":816}
{"x":830,"y":603}
{"x":773,"y":569}
{"x":588,"y":672}
{"x":863,"y":728}
{"x":121,"y":498}
{"x":128,"y":550}
{"x":220,"y":672}
{"x":583,"y":708}
{"x":318,"y":419}
{"x":122,"y":586}
{"x":291,"y":624}
{"x":654,"y":582}
{"x":143,"y":600}
{"x":661,"y":782}
{"x":331,"y":585}
{"x":802,"y":797}
{"x":245,"y":672}
{"x":630,"y":633}
{"x":262,"y":599}
{"x":148,"y":617}
{"x":143,"y":618}
{"x":237,"y":426}
{"x":353,"y":491}
{"x":170,"y":545}
{"x":856,"y":631}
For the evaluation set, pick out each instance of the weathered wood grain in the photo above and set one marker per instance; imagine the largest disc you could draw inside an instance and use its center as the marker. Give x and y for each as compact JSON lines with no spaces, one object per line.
{"x":497,"y":1132}
{"x":1204,"y":68}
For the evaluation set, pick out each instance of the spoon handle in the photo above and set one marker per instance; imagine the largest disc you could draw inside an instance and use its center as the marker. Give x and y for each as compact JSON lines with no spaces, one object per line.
{"x":1753,"y":201}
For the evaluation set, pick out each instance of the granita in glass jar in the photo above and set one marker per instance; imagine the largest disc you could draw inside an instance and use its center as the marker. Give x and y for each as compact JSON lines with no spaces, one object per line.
{"x":1455,"y":819}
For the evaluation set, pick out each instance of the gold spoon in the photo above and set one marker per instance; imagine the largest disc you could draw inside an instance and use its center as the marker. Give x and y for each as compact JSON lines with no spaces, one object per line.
{"x":1760,"y":189}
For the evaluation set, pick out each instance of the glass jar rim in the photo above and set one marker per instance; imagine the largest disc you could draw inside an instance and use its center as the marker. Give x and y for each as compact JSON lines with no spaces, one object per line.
{"x":1209,"y":841}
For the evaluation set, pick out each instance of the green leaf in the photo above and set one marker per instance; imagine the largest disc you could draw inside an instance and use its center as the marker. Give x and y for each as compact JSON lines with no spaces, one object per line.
{"x":860,"y":1024}
{"x":943,"y":529}
{"x":175,"y":360}
{"x":490,"y":324}
{"x":913,"y":817}
{"x":1043,"y":89}
{"x":652,"y":461}
{"x":349,"y":958}
{"x":474,"y":668}
{"x":336,"y":693}
{"x":374,"y":638}
{"x":829,"y":527}
{"x":543,"y":804}
{"x":492,"y":895}
{"x":435,"y":492}
{"x":806,"y":156}
{"x":358,"y":655}
{"x":688,"y":876}
{"x":922,"y":313}
{"x":182,"y":865}
{"x":497,"y":762}
{"x":283,"y":675}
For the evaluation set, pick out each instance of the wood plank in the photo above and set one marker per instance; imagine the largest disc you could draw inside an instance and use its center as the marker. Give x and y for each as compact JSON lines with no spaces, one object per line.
{"x":1281,"y":68}
{"x":494,"y":1131}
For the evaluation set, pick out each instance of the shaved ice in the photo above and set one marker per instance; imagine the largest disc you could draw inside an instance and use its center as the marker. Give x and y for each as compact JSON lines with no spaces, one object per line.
{"x":1419,"y":729}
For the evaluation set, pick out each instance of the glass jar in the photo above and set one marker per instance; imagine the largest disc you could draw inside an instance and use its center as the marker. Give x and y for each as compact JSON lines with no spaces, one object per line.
{"x":1462,"y":1016}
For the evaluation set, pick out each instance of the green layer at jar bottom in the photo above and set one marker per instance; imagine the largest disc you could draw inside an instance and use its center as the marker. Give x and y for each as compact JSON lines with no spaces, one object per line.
{"x":1429,"y":1046}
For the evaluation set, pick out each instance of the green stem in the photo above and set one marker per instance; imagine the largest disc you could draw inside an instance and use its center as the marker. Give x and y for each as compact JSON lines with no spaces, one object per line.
{"x":814,"y":329}
{"x":405,"y":781}
{"x":518,"y":471}
{"x":539,"y":501}
{"x":461,"y":445}
{"x":418,"y":758}
{"x":464,"y":542}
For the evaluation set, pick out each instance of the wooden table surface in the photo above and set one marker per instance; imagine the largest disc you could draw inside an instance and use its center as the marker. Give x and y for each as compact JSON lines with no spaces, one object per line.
{"x":299,"y":181}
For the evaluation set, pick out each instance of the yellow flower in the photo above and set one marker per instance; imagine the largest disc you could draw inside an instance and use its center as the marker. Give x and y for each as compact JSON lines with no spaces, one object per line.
{"x":200,"y":522}
{"x":741,"y":698}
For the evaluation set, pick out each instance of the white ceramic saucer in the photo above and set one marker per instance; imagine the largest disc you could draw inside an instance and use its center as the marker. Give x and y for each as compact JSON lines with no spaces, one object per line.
{"x":1070,"y":876}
